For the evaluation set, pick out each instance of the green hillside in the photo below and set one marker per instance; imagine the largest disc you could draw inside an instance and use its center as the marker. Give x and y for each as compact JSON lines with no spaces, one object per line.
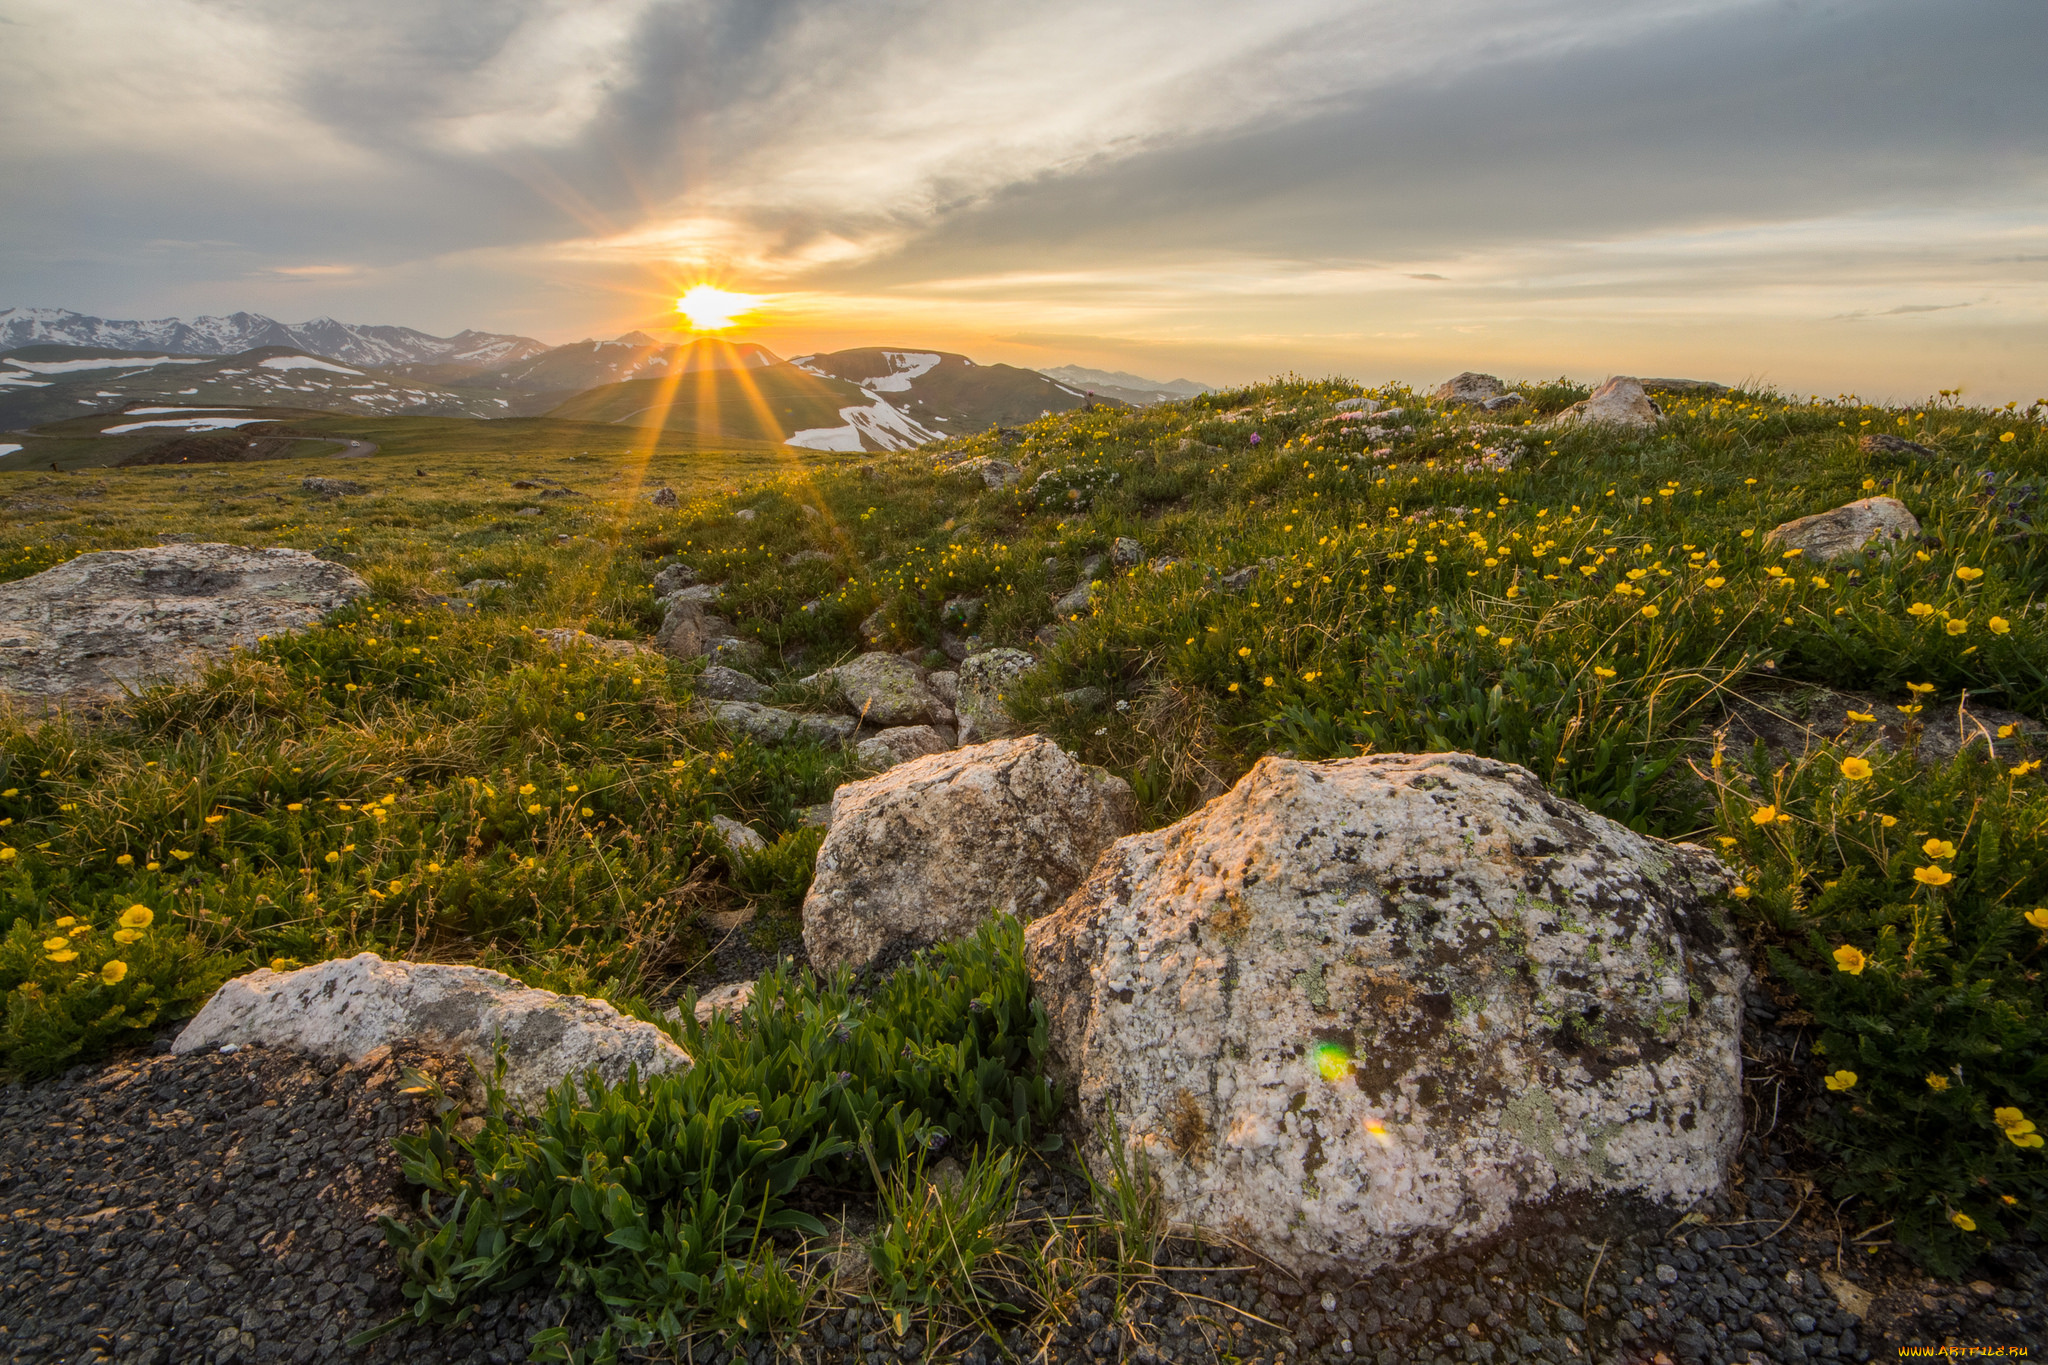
{"x":1600,"y":606}
{"x":718,"y":405}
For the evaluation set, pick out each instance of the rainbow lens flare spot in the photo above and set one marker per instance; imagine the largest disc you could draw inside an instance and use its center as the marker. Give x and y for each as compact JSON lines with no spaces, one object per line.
{"x":1332,"y":1060}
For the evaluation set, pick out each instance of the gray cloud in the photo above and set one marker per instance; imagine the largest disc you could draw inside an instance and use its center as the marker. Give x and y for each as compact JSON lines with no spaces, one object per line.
{"x":1220,"y":170}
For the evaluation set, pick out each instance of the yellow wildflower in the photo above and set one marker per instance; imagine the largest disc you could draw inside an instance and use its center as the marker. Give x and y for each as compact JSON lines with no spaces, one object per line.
{"x":1932,"y":876}
{"x":65,"y":955}
{"x":1716,"y":582}
{"x":1763,"y":815}
{"x":1938,"y":848}
{"x":1840,"y":1080}
{"x":137,"y":917}
{"x":127,"y":936}
{"x":1956,"y":625}
{"x":1998,"y":625}
{"x":1650,"y":611}
{"x":1849,"y":958}
{"x":1855,"y":769}
{"x":1968,"y":574}
{"x":1919,"y":609}
{"x":112,"y":972}
{"x":2038,"y":917}
{"x":1863,"y":716}
{"x":1936,"y":1081}
{"x":1598,"y":671}
{"x":1963,"y":1221}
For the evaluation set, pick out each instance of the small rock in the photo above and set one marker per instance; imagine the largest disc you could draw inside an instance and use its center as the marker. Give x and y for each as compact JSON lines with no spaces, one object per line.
{"x":477,"y":587}
{"x":1667,"y":1274}
{"x":771,"y":725}
{"x":561,"y":493}
{"x":995,"y":474}
{"x":877,"y":629}
{"x":1706,"y":387}
{"x":735,"y":649}
{"x":808,"y":557}
{"x":686,"y":629}
{"x":944,"y":685}
{"x":929,"y":849}
{"x":960,"y":611}
{"x":1469,"y":388}
{"x":810,"y":514}
{"x":899,"y":744}
{"x":1848,"y":529}
{"x":818,"y":816}
{"x":1884,"y":443}
{"x":746,"y":514}
{"x":704,"y":594}
{"x":1620,"y":402}
{"x":1361,"y":404}
{"x":1502,"y":403}
{"x":720,"y":683}
{"x":737,"y":837}
{"x":728,"y":999}
{"x":664,"y":497}
{"x":331,"y":488}
{"x":565,"y":637}
{"x":985,"y":680}
{"x":882,"y":689}
{"x":1075,"y":603}
{"x":1084,"y":699}
{"x":350,"y":1006}
{"x":674,"y":578}
{"x":1126,"y":553}
{"x":527,"y":512}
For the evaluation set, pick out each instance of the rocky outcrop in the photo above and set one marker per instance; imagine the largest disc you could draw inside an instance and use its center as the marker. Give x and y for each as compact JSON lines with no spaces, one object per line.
{"x":1620,"y":402}
{"x":673,"y":578}
{"x":771,"y":725}
{"x":351,"y":1006}
{"x":686,"y":629}
{"x":931,"y":848}
{"x":884,"y":689}
{"x":105,"y":623}
{"x":899,"y":745}
{"x":1847,"y":530}
{"x":984,"y":681}
{"x":1364,"y":1010}
{"x":332,"y":488}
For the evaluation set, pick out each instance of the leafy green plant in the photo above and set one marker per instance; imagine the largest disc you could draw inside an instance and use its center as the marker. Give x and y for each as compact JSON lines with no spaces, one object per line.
{"x":939,"y":1237}
{"x":1907,"y":902}
{"x":645,"y":1192}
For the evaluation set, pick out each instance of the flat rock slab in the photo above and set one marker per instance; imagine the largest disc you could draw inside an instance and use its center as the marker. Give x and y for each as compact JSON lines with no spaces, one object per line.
{"x":1364,"y":1011}
{"x":119,"y":620}
{"x":1850,"y":529}
{"x":352,"y":1006}
{"x":772,"y":725}
{"x":933,"y":847}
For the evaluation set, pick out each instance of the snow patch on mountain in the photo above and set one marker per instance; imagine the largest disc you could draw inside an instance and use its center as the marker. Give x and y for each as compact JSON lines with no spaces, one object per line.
{"x":183,"y":424}
{"x":875,"y":427}
{"x":303,"y":362}
{"x":909,"y":365}
{"x":98,"y":363}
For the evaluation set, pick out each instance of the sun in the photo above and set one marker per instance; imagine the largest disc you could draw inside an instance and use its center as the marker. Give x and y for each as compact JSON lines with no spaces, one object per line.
{"x":711,"y":309}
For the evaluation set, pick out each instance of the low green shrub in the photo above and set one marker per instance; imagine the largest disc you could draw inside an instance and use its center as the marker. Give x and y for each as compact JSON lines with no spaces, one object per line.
{"x":647,"y":1191}
{"x":1906,"y":904}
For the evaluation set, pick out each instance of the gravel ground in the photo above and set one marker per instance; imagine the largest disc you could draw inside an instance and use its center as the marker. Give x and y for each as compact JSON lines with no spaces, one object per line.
{"x":220,"y":1208}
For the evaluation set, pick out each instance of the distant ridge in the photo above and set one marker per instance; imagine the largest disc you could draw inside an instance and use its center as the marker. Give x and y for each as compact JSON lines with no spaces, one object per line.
{"x":238,"y":332}
{"x":1129,"y":388}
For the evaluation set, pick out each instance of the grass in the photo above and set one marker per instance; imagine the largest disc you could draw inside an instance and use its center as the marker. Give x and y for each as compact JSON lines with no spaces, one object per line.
{"x":442,"y":785}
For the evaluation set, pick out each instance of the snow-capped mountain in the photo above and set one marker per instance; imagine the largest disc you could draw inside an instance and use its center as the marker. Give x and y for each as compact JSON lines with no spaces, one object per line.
{"x":238,"y":332}
{"x":588,"y":363}
{"x":916,"y":396}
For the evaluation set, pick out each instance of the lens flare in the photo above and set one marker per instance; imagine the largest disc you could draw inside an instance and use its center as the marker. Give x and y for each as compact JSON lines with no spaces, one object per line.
{"x":711,"y":309}
{"x":1333,"y":1060}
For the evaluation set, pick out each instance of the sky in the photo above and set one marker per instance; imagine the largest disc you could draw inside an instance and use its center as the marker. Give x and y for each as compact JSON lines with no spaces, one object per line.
{"x":1822,"y":196}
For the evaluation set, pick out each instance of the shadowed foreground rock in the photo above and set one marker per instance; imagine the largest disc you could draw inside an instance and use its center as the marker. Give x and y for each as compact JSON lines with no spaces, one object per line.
{"x":122,"y":619}
{"x":352,"y":1006}
{"x":932,"y":847}
{"x":1363,"y":1011}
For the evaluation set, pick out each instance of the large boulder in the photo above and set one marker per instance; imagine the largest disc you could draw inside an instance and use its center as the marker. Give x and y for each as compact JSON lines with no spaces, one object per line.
{"x":117,"y":620}
{"x":1620,"y":402}
{"x":686,"y":629}
{"x":350,"y":1006}
{"x":932,"y":847}
{"x":982,"y":684}
{"x":884,"y":689}
{"x":772,"y":725}
{"x":1847,"y":530}
{"x":1362,"y":1011}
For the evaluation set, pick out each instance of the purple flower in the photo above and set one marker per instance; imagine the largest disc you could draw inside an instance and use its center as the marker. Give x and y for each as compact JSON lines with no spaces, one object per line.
{"x":1255,"y":438}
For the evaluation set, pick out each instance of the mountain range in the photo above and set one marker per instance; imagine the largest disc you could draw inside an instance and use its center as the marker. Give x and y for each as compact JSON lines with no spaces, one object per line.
{"x":56,"y":364}
{"x":237,"y":332}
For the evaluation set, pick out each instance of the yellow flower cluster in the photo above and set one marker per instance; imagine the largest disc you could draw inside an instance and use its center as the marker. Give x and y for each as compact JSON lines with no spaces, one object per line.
{"x":2019,"y":1129}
